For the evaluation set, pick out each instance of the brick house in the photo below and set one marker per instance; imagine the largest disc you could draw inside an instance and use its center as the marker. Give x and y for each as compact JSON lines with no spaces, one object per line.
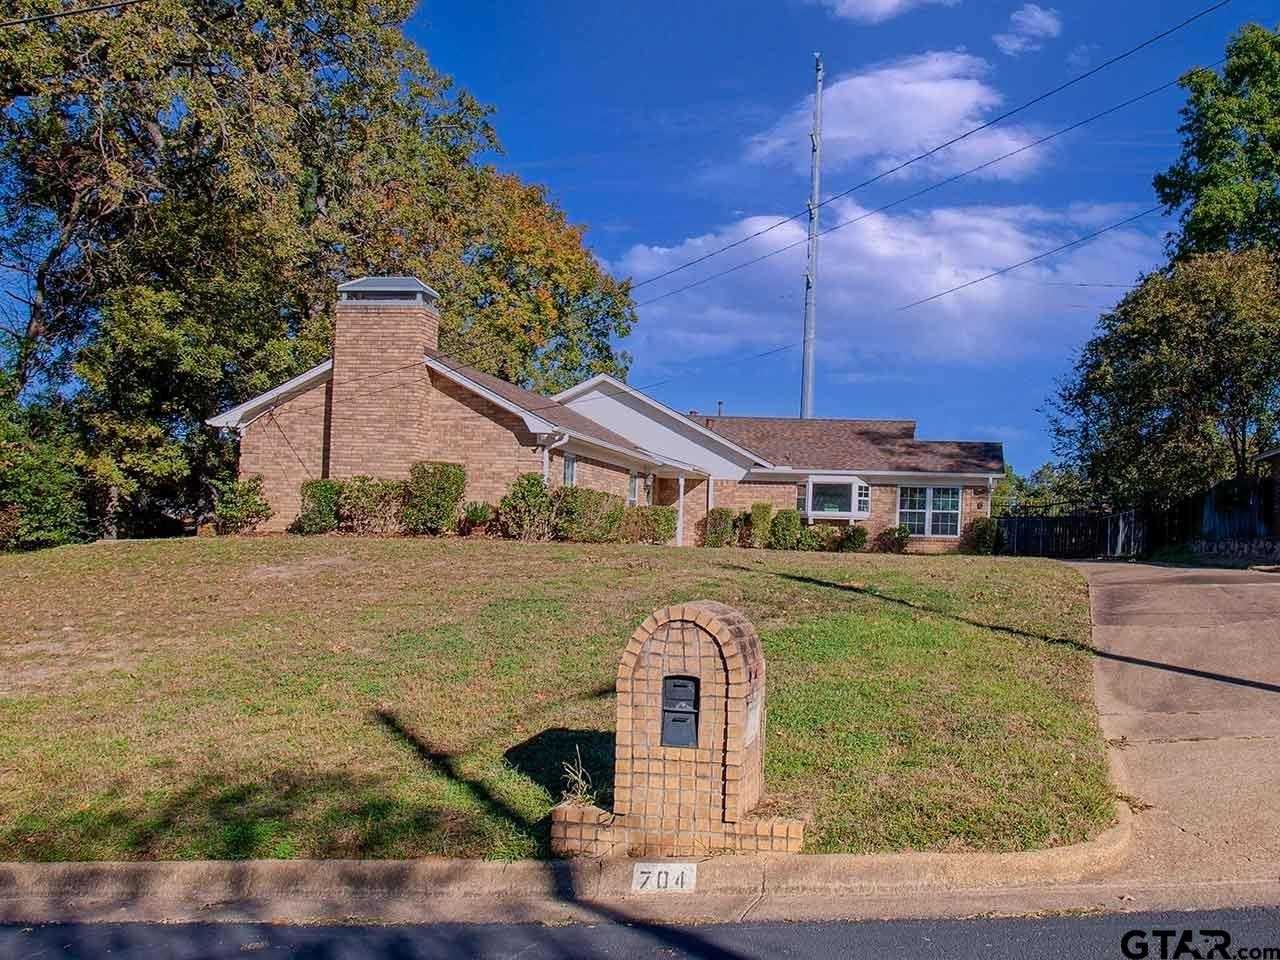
{"x":388,"y":398}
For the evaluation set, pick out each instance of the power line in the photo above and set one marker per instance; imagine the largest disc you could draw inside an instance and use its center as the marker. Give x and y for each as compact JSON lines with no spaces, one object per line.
{"x":929,"y":189}
{"x":75,"y":11}
{"x":942,"y":146}
{"x":1023,"y":263}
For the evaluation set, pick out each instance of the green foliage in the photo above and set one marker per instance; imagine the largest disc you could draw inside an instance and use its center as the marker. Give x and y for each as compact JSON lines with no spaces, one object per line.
{"x":894,"y":539}
{"x":433,"y":497}
{"x":477,"y":516}
{"x":814,"y":538}
{"x":239,"y":505}
{"x":526,"y":512}
{"x":181,"y":188}
{"x":648,"y":525}
{"x":983,"y":536}
{"x":852,"y":539}
{"x":719,"y":527}
{"x":42,"y":493}
{"x":784,"y":530}
{"x":1180,"y":387}
{"x":321,"y":503}
{"x":761,"y":519}
{"x":1056,"y":489}
{"x":370,"y":506}
{"x":1226,"y":182}
{"x":583,"y":515}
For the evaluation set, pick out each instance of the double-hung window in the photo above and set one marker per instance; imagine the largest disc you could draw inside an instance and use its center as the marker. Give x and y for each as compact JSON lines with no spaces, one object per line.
{"x":633,"y":489}
{"x":930,"y":511}
{"x":570,"y":469}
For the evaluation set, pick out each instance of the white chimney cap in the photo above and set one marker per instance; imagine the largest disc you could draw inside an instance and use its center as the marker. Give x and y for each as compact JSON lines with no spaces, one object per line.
{"x":387,"y":288}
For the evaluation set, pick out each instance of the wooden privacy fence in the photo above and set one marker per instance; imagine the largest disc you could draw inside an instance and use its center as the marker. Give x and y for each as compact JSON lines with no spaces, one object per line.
{"x":1074,"y":537}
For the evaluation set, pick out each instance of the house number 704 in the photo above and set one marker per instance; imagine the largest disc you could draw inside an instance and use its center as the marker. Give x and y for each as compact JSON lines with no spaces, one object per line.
{"x":664,"y":877}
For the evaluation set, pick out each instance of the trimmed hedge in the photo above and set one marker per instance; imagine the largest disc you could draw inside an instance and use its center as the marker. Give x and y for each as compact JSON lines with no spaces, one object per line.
{"x":320,"y":503}
{"x":648,"y":525}
{"x":894,"y":539}
{"x":852,"y":539}
{"x":719,"y":528}
{"x":371,"y":507}
{"x":983,"y":536}
{"x":784,"y":530}
{"x":433,"y":497}
{"x":583,"y":515}
{"x":525,"y":513}
{"x":761,"y":519}
{"x":240,"y":505}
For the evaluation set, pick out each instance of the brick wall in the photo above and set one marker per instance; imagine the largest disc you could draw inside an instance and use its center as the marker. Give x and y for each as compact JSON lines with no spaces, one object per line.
{"x":666,"y":493}
{"x":740,"y":495}
{"x":288,"y":446}
{"x":592,"y":473}
{"x":974,"y":502}
{"x":493,"y":445}
{"x":381,"y":389}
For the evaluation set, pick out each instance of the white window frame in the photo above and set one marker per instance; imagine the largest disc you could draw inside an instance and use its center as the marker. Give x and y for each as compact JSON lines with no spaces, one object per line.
{"x":570,"y":469}
{"x":856,"y":487}
{"x":633,"y":489}
{"x":928,"y":510}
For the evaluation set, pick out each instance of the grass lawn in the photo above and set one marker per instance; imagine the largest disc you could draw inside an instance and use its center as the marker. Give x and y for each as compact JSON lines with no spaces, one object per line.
{"x":335,"y":697}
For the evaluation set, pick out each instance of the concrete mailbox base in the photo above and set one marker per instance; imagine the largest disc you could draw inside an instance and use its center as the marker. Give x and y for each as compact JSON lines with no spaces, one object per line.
{"x":697,"y":669}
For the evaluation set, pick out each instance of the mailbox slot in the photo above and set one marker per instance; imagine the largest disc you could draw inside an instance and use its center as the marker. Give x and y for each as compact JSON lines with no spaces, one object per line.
{"x":679,"y":711}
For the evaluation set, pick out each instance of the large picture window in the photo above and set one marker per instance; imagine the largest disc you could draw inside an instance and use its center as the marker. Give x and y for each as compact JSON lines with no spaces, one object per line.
{"x":835,"y":498}
{"x":930,"y":511}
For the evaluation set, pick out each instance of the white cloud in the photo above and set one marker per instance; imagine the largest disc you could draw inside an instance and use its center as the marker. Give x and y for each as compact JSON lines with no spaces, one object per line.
{"x":872,"y":268}
{"x":895,"y":110}
{"x":878,"y":11}
{"x":1028,"y":26}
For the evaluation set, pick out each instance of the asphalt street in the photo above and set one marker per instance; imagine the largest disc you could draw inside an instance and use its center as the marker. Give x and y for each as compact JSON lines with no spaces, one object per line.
{"x":1082,"y":938}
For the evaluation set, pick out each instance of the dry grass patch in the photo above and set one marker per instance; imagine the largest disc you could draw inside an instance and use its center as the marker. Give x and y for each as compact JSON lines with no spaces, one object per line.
{"x":287,"y":697}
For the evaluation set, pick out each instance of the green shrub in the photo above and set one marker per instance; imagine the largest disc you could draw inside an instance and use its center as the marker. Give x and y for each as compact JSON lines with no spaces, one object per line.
{"x":814,"y":538}
{"x":648,"y":525}
{"x":894,"y":539}
{"x":239,"y":505}
{"x":983,"y":536}
{"x":761,"y":519}
{"x":784,"y":530}
{"x":852,"y":539}
{"x":320,"y":504}
{"x":719,"y":529}
{"x":371,"y":507}
{"x":525,"y":513}
{"x":433,"y":496}
{"x":583,"y":515}
{"x":477,"y":516}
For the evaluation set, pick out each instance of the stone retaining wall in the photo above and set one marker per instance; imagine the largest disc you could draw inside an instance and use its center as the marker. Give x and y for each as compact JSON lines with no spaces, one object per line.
{"x":1261,"y":548}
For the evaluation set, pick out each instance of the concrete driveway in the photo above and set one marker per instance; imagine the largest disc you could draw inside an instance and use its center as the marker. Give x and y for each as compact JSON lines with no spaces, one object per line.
{"x":1188,"y":688}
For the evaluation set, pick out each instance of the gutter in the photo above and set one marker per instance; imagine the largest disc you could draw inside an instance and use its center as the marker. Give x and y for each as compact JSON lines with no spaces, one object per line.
{"x":546,"y":456}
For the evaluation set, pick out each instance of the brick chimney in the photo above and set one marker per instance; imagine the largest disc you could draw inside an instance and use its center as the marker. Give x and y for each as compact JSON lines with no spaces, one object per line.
{"x":380,"y":388}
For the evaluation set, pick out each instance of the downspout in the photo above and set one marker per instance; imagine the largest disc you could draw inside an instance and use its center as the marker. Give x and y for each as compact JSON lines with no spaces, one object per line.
{"x":546,"y":457}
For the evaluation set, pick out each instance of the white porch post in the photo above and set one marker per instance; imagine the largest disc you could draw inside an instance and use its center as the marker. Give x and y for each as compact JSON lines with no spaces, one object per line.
{"x":808,"y":498}
{"x":711,"y":494}
{"x":680,"y":510}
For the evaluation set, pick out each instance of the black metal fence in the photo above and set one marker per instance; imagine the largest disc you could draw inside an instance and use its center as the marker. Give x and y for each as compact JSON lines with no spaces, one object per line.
{"x":1231,"y":510}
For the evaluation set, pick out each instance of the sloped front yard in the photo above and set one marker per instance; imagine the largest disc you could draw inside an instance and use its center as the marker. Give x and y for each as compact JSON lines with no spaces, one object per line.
{"x":401,"y":698}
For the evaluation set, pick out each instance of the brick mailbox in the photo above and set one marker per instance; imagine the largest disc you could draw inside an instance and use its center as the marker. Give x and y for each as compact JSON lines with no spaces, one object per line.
{"x":689,"y":764}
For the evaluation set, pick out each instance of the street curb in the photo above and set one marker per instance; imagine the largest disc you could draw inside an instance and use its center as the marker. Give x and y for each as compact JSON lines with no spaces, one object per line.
{"x":728,"y":887}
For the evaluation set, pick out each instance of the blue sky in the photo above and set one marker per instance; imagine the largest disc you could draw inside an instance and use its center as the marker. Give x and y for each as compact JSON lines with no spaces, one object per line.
{"x":668,"y":129}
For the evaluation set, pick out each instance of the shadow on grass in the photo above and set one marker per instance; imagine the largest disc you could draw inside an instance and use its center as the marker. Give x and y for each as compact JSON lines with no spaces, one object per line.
{"x":542,"y":758}
{"x":1011,"y":631}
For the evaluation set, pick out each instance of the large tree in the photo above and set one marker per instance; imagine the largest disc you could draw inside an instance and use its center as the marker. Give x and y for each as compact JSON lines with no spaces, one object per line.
{"x":1181,"y":385}
{"x":1225,"y":185}
{"x":183,"y":183}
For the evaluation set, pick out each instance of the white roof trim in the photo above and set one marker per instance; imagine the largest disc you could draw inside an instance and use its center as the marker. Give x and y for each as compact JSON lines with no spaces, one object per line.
{"x":567,"y":396}
{"x":1270,"y":454}
{"x":250,"y":410}
{"x":639,"y":454}
{"x":533,"y":422}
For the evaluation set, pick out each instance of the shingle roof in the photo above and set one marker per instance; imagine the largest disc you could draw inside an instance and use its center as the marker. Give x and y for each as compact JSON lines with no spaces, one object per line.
{"x":887,"y":445}
{"x":554,"y":412}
